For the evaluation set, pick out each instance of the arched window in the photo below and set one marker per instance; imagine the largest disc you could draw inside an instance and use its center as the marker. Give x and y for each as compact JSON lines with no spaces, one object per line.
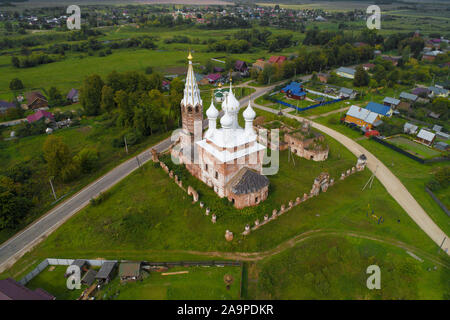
{"x":196,"y":109}
{"x":189,"y":109}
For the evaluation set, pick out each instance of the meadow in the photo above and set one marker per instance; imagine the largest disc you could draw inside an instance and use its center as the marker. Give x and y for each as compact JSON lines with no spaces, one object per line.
{"x":199,"y":283}
{"x":412,"y":174}
{"x":334,"y":267}
{"x":147,"y":217}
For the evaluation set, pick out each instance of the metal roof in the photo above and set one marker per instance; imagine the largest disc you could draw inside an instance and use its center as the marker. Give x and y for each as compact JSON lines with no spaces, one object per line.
{"x":408,"y":96}
{"x":346,"y":70}
{"x":248,"y":181}
{"x":105,"y":270}
{"x":426,"y":135}
{"x":391,"y":101}
{"x":379,"y":108}
{"x":362,"y":114}
{"x":129,"y":269}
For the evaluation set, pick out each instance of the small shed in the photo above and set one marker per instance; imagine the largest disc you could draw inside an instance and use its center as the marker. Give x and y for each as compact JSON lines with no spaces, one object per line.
{"x":391,"y":102}
{"x":410,"y":128}
{"x":89,"y":277}
{"x":130,"y":271}
{"x":442,"y":146}
{"x":106,"y":272}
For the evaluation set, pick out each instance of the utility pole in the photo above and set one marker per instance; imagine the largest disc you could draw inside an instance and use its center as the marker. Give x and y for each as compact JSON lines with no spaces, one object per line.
{"x":126,"y":146}
{"x":51,"y":185}
{"x":442,"y":244}
{"x":138,"y":162}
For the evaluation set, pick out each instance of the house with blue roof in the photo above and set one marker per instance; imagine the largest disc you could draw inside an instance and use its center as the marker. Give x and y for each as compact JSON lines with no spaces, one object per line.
{"x":380,"y":109}
{"x":294,"y":90}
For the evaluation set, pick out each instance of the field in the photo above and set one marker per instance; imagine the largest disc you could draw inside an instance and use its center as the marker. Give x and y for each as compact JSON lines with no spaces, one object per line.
{"x":412,"y":174}
{"x":92,"y":133}
{"x":413,"y":147}
{"x":334,"y":267}
{"x":137,"y":221}
{"x":199,"y":283}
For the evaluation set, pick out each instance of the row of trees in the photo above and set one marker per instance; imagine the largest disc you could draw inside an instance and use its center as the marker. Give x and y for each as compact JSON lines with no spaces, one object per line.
{"x":134,"y":100}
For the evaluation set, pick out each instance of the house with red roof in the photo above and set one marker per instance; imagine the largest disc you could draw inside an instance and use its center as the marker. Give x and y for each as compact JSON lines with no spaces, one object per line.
{"x":277,"y":59}
{"x":41,"y":114}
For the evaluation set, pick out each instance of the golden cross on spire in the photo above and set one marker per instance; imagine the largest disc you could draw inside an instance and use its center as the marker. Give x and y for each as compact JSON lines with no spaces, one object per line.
{"x":190,"y":55}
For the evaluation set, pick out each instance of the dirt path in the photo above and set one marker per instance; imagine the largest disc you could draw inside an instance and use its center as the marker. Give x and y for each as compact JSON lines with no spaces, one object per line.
{"x":290,"y":243}
{"x":328,"y":113}
{"x":392,"y":184}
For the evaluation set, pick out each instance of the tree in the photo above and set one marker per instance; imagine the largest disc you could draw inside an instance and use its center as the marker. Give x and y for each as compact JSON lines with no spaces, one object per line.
{"x":16,"y":84}
{"x":87,"y":159}
{"x":56,"y":154}
{"x":91,"y":94}
{"x":55,"y":97}
{"x":15,"y":62}
{"x":361,"y":77}
{"x":13,"y":205}
{"x":126,"y":112}
{"x":107,"y":103}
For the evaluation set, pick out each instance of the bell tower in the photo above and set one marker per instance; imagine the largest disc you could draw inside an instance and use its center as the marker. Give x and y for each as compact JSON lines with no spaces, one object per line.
{"x":191,"y":113}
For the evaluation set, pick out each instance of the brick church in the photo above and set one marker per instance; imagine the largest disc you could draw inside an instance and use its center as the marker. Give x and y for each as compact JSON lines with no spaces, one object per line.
{"x":228,"y":159}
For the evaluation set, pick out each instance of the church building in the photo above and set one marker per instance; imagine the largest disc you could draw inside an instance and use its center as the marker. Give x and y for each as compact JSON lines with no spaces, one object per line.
{"x":228,"y":159}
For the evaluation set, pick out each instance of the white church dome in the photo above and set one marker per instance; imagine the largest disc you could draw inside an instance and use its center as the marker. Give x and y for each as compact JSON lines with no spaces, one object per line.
{"x":212,"y":112}
{"x":226,"y":121}
{"x":249,"y":113}
{"x":230,"y":103}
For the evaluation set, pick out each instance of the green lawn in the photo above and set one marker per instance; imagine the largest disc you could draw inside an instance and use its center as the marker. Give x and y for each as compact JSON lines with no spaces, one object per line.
{"x":53,"y":281}
{"x":92,"y":133}
{"x":201,"y":283}
{"x":412,"y":174}
{"x":334,"y":267}
{"x":413,"y":147}
{"x":146,"y":216}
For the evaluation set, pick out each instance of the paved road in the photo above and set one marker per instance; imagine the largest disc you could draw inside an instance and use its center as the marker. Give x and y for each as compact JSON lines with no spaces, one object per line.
{"x":12,"y":122}
{"x":24,"y":241}
{"x":392,"y":184}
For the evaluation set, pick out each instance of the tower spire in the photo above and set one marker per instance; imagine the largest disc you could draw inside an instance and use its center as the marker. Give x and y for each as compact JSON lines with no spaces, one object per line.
{"x":191,"y":92}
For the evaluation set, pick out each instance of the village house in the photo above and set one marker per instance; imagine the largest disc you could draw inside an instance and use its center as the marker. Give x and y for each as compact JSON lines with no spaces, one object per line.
{"x":5,"y":106}
{"x":13,"y":290}
{"x":431,"y":55}
{"x":409,"y":97}
{"x":425,"y":137}
{"x":219,"y":156}
{"x":362,"y":117}
{"x":130,"y":271}
{"x":277,"y":59}
{"x":442,"y":146}
{"x":437,"y":92}
{"x":41,"y":114}
{"x":346,"y":93}
{"x":72,"y":96}
{"x":307,"y":144}
{"x":241,"y":67}
{"x":393,"y":59}
{"x":323,"y":77}
{"x":106,"y":272}
{"x":410,"y":128}
{"x":260,"y":64}
{"x":345,"y":72}
{"x":36,"y":100}
{"x":391,"y":102}
{"x":368,"y":66}
{"x":294,"y":90}
{"x":421,"y":92}
{"x":382,"y":110}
